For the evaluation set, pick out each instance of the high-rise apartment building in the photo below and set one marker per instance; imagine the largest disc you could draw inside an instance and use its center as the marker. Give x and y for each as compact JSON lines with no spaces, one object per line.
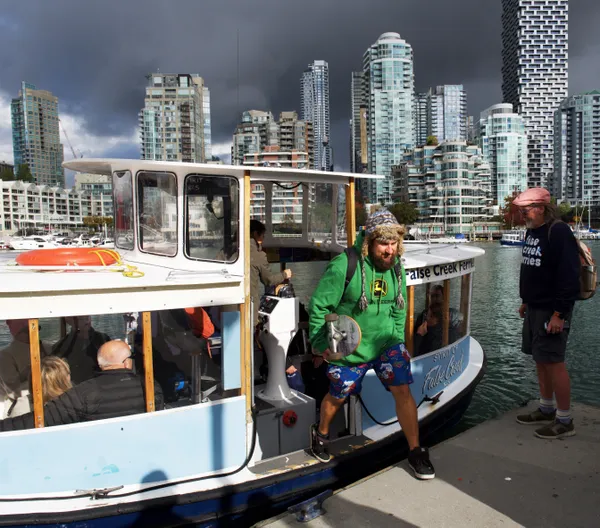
{"x":441,"y":113}
{"x":389,"y":89}
{"x":535,"y":73}
{"x":358,"y":154}
{"x":36,"y":136}
{"x":421,"y":118}
{"x":175,"y":120}
{"x":258,"y":131}
{"x":503,"y":141}
{"x":577,"y":150}
{"x":314,"y":92}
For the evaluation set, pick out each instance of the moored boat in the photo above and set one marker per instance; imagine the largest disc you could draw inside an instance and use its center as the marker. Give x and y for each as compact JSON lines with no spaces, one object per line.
{"x":513,"y":239}
{"x":228,"y":446}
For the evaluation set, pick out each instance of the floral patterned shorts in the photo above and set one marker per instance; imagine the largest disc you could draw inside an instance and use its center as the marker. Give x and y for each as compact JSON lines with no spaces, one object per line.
{"x":392,"y":368}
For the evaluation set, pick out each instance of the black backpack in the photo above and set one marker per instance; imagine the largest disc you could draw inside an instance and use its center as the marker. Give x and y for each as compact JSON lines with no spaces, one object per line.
{"x":353,"y":263}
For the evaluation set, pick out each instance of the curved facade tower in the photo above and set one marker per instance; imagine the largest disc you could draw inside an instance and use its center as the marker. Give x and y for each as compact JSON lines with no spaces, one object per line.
{"x":389,"y":86}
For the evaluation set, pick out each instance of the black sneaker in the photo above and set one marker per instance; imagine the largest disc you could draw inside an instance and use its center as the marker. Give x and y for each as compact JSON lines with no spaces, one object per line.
{"x":536,"y":417}
{"x":556,"y":430}
{"x":319,"y":444}
{"x":418,"y":461}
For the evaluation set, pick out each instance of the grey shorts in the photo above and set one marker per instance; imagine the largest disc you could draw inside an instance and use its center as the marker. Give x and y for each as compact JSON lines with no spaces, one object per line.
{"x":542,"y":346}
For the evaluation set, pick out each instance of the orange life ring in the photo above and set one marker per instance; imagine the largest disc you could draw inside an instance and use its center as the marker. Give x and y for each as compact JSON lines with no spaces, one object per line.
{"x":68,"y":257}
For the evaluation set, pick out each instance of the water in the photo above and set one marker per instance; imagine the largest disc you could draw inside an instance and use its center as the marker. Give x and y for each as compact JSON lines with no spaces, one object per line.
{"x":510,"y":379}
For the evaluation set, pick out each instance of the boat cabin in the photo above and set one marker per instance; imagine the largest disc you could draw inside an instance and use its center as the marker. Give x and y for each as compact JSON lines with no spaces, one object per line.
{"x":218,"y":412}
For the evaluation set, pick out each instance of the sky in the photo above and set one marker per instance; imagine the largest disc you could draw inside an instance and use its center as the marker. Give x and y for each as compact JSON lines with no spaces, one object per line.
{"x":95,"y":57}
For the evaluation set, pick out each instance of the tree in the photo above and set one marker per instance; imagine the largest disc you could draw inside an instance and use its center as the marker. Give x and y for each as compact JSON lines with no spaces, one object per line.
{"x":511,"y":216}
{"x":432,"y":141}
{"x":405,"y":212}
{"x":7,"y":175}
{"x":24,"y":174}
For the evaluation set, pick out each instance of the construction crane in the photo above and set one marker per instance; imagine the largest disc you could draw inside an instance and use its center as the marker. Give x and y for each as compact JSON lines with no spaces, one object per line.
{"x":69,"y":141}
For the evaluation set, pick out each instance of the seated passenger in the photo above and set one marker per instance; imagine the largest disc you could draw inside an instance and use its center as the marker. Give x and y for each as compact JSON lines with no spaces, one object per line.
{"x":428,"y":326}
{"x":56,"y":378}
{"x":15,"y":363}
{"x":115,"y":391}
{"x":80,"y":347}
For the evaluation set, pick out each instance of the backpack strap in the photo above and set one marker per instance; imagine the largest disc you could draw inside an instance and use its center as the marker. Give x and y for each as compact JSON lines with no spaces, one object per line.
{"x":352,"y":264}
{"x":552,"y":224}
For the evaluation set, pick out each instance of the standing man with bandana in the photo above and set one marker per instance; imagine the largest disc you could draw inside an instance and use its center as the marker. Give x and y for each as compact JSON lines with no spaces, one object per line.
{"x":374,"y":298}
{"x":549,"y":287}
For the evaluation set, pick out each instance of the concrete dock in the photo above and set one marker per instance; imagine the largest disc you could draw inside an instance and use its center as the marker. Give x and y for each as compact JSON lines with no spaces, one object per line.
{"x":496,"y":474}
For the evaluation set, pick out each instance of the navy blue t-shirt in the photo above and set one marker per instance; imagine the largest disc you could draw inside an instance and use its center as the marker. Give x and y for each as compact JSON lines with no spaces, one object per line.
{"x":550,"y":268}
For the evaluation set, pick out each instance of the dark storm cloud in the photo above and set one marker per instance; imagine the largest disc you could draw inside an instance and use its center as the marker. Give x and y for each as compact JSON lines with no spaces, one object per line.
{"x":95,"y":55}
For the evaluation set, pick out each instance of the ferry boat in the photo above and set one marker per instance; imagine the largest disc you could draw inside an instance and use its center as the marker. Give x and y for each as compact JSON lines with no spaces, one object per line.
{"x":513,"y":239}
{"x":229,"y":448}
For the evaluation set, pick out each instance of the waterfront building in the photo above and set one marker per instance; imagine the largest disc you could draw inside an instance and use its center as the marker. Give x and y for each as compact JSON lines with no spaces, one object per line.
{"x":449,"y":185}
{"x":175,"y":120}
{"x":441,"y":113}
{"x":389,"y":90}
{"x":503,"y":142}
{"x":314,"y":92}
{"x":577,"y":150}
{"x":535,"y":74}
{"x":95,"y":184}
{"x":36,"y":135}
{"x":38,"y":206}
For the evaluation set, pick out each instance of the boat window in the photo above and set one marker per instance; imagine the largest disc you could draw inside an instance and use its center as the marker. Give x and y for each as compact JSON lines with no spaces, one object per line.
{"x":440,"y":305}
{"x":123,"y":209}
{"x":286,"y":208}
{"x":320,"y":211}
{"x":68,"y":351}
{"x":183,"y":359}
{"x":157,"y":211}
{"x":212,"y":211}
{"x":186,"y":350}
{"x":257,"y":203}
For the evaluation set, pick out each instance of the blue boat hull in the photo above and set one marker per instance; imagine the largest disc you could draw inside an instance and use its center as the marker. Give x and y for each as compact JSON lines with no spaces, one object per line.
{"x":245,"y":504}
{"x":511,"y":243}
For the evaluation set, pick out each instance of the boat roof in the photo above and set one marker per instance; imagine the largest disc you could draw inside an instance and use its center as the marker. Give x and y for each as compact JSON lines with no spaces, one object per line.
{"x":258,"y":174}
{"x":82,"y":291}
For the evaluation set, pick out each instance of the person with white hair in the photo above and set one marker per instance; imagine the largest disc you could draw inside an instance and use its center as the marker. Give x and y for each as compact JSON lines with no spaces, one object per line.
{"x":115,"y":391}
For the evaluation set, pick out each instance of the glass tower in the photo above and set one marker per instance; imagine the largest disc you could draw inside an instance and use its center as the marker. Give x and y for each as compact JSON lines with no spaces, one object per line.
{"x":389,"y":83}
{"x":577,"y":150}
{"x":314,"y":92}
{"x":503,"y":141}
{"x":36,"y":136}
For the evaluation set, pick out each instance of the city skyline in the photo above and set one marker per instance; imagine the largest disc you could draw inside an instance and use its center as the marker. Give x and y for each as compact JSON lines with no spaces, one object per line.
{"x":101,"y":95}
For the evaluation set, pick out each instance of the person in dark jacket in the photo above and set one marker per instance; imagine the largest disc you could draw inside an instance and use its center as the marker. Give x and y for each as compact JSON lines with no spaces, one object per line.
{"x":549,"y":287}
{"x":80,"y":347}
{"x":115,"y":391}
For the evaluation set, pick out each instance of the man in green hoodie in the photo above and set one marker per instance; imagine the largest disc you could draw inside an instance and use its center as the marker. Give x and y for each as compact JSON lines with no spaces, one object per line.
{"x":374,"y":298}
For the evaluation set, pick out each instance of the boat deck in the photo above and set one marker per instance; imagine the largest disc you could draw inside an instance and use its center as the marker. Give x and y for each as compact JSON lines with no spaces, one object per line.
{"x":496,"y":474}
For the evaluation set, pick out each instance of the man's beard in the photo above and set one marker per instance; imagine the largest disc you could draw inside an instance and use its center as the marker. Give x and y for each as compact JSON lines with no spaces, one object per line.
{"x":382,"y":265}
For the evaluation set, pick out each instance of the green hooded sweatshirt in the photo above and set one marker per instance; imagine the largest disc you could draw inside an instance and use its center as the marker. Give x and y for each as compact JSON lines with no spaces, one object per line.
{"x":381,"y":324}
